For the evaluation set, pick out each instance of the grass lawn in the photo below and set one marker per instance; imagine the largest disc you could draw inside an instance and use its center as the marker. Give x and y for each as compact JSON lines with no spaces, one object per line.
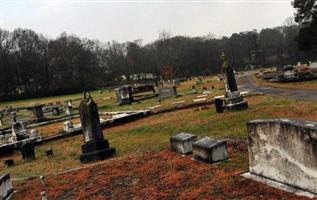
{"x":107,"y":99}
{"x":305,"y":85}
{"x":144,"y":167}
{"x":152,"y":133}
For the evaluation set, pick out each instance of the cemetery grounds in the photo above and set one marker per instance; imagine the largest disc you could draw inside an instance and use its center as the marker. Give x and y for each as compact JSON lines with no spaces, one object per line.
{"x":144,"y":167}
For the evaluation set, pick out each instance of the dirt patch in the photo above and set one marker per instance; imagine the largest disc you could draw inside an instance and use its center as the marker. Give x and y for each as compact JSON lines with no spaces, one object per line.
{"x":156,"y":175}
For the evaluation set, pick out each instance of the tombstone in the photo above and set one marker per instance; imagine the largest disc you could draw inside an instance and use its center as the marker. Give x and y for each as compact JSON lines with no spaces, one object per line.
{"x":284,"y":151}
{"x":167,"y":92}
{"x":6,"y":188}
{"x":49,"y":152}
{"x":9,"y":163}
{"x":210,"y":150}
{"x":27,"y":151}
{"x":34,"y":133}
{"x":13,"y":117}
{"x":68,"y":126}
{"x":36,"y":113}
{"x":124,"y":95}
{"x":19,"y":131}
{"x":182,"y":142}
{"x":95,"y":147}
{"x":233,"y":100}
{"x":1,"y":119}
{"x":219,"y":105}
{"x":55,"y":110}
{"x":68,"y":110}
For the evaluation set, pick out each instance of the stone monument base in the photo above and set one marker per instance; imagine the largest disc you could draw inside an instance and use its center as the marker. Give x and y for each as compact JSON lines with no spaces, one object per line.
{"x":95,"y":151}
{"x":232,"y":101}
{"x":279,"y":185}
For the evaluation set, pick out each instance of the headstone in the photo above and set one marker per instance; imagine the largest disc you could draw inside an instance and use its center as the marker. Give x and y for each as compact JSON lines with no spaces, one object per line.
{"x":167,"y":92}
{"x":55,"y":110}
{"x":6,"y":188}
{"x":233,"y":100}
{"x":34,"y":133}
{"x":9,"y":163}
{"x":19,"y":131}
{"x":36,"y":113}
{"x":27,"y":151}
{"x":219,"y":105}
{"x":68,"y":110}
{"x":95,"y":147}
{"x":210,"y":150}
{"x":124,"y":95}
{"x":68,"y":125}
{"x":13,"y":117}
{"x":285,"y":151}
{"x":182,"y":142}
{"x":49,"y":152}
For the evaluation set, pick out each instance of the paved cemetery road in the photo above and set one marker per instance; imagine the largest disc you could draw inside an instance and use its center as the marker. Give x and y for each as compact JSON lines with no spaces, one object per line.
{"x":245,"y":83}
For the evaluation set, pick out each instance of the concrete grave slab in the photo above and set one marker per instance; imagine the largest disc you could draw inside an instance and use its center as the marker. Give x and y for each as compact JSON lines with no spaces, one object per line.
{"x":182,"y":142}
{"x":210,"y":150}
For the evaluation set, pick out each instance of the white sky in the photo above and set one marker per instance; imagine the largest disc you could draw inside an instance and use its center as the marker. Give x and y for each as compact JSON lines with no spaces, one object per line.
{"x":128,"y":21}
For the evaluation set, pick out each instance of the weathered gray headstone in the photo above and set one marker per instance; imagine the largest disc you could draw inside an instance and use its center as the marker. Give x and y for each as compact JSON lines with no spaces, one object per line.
{"x":95,"y":147}
{"x":68,"y":110}
{"x":55,"y":110}
{"x":285,"y":151}
{"x":19,"y":131}
{"x":167,"y":92}
{"x":68,"y":125}
{"x":34,"y":133}
{"x":124,"y":95}
{"x":182,"y":142}
{"x":210,"y":150}
{"x":5,"y":186}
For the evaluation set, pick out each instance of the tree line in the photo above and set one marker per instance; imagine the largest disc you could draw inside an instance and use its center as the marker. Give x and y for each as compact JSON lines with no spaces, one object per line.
{"x":32,"y":65}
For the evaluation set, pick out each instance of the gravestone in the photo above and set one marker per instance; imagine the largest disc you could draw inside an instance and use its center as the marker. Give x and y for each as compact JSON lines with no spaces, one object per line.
{"x":13,"y":117}
{"x":182,"y":142}
{"x":167,"y":92}
{"x":68,"y":126}
{"x":210,"y":150}
{"x":6,"y":188}
{"x":69,"y":107}
{"x":49,"y":152}
{"x":1,"y":119}
{"x":34,"y":133}
{"x":95,"y":147}
{"x":285,"y":151}
{"x":19,"y":131}
{"x":36,"y":113}
{"x":124,"y":95}
{"x":27,"y":151}
{"x":233,"y":100}
{"x":55,"y":110}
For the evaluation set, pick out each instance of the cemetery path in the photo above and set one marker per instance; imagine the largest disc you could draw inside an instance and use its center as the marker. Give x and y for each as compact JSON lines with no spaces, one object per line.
{"x":246,"y":83}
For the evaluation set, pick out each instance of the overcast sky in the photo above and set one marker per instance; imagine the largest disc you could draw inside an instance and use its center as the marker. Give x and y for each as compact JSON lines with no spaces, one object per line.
{"x":128,"y":21}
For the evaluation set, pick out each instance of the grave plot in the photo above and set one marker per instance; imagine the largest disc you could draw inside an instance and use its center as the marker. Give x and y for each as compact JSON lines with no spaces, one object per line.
{"x":157,"y":175}
{"x":146,"y":167}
